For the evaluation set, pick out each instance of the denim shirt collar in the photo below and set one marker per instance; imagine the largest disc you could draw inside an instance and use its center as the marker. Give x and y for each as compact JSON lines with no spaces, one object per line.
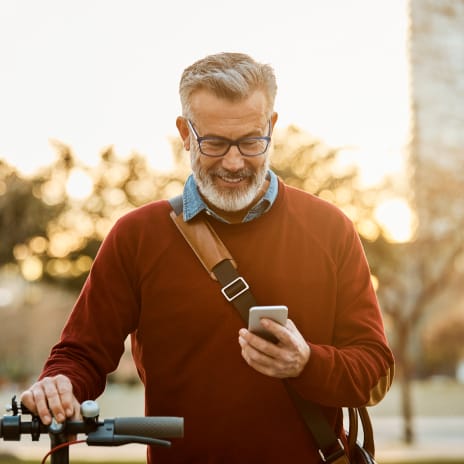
{"x":193,"y":204}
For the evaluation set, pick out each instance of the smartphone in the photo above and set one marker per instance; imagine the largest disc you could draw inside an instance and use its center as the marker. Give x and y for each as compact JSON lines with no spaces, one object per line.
{"x":256,"y":313}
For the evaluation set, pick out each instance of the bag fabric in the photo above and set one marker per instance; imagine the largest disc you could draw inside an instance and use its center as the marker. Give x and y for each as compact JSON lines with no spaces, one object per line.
{"x":360,"y":456}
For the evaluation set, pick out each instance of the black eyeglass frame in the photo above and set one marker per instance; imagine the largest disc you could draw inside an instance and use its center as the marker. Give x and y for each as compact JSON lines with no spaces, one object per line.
{"x":236,"y":143}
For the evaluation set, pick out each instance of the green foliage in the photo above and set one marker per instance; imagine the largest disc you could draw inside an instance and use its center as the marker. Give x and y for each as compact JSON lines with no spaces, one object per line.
{"x":23,"y":214}
{"x":307,"y":163}
{"x":52,"y":235}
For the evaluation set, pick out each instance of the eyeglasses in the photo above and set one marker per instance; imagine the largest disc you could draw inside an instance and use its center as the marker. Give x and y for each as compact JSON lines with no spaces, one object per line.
{"x":216,"y":147}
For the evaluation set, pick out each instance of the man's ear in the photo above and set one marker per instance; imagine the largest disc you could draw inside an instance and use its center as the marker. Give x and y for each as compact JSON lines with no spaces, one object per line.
{"x":274,"y":117}
{"x":184,"y":132}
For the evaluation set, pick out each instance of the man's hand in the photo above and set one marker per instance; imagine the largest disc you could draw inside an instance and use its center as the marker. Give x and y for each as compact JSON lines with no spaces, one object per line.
{"x":52,"y":397}
{"x":285,"y":359}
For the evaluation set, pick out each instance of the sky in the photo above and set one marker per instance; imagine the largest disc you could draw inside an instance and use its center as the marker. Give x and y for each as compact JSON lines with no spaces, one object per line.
{"x":94,"y":73}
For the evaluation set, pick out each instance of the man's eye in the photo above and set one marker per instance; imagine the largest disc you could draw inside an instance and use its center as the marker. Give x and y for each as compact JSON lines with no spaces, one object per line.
{"x":215,"y":143}
{"x":249,"y":143}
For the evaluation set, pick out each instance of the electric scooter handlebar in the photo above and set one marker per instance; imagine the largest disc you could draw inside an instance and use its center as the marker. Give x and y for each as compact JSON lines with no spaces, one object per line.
{"x":110,"y":432}
{"x":160,"y":427}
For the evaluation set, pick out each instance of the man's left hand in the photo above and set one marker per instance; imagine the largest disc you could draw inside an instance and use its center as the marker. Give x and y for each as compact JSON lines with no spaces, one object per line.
{"x":286,"y":358}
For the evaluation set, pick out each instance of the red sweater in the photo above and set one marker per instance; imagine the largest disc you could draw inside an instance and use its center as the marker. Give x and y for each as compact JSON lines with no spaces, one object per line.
{"x":146,"y":281}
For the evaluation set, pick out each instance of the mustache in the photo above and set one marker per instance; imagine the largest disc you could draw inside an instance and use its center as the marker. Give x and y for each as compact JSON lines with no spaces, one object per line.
{"x":221,"y":172}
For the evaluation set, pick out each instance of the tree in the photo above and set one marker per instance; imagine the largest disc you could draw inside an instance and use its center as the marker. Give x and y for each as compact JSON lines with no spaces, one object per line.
{"x":442,"y":345}
{"x":23,"y":214}
{"x":55,"y":235}
{"x":306,"y":162}
{"x":416,"y":278}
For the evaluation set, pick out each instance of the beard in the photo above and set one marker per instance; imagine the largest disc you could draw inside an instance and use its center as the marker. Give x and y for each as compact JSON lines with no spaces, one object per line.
{"x":234,"y":199}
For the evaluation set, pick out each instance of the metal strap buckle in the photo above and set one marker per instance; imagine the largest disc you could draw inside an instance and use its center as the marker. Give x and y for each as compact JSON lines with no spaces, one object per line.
{"x":334,"y":455}
{"x":234,"y":294}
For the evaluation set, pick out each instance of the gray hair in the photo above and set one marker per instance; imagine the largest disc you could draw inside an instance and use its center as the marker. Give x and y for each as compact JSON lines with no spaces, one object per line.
{"x":233,"y":76}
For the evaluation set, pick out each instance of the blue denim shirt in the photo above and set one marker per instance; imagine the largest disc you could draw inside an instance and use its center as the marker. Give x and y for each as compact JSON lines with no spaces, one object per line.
{"x":193,"y":204}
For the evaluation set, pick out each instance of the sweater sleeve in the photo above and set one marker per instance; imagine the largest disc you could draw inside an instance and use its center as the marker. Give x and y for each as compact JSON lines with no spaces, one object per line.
{"x":105,"y":312}
{"x":357,"y":368}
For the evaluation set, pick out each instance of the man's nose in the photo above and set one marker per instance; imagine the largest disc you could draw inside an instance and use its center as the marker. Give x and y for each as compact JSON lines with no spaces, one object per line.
{"x":233,"y":159}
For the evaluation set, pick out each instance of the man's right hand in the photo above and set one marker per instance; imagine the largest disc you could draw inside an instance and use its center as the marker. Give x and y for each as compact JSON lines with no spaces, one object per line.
{"x":52,"y":397}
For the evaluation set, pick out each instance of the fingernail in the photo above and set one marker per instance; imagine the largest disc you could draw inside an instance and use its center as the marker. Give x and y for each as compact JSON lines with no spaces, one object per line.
{"x":242,"y":332}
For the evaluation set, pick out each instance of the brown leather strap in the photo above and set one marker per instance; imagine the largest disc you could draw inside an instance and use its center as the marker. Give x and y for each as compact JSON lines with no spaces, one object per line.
{"x":204,"y":241}
{"x":368,"y":441}
{"x":353,"y":428}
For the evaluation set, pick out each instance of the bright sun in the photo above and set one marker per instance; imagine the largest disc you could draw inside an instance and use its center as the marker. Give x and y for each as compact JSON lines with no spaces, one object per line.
{"x":397,"y":219}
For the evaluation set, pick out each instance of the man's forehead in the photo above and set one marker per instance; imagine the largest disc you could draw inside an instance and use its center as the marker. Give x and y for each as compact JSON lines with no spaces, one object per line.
{"x":209,"y":109}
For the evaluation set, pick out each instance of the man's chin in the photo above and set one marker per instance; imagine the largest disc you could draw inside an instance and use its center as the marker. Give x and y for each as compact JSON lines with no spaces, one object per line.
{"x":230,"y":201}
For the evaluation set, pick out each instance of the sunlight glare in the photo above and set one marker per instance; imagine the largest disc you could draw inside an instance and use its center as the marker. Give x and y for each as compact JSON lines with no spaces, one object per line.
{"x":396,"y":218}
{"x":32,"y":268}
{"x":38,"y":245}
{"x":79,"y":185}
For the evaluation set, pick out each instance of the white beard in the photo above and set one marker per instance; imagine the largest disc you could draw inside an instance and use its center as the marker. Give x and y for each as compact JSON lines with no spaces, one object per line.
{"x":225,"y":200}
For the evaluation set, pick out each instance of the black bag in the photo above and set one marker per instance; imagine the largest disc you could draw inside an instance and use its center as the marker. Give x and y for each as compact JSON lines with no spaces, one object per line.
{"x":361,"y":456}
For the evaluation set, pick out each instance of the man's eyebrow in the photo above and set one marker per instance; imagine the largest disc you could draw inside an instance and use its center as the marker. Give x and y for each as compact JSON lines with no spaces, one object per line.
{"x":253,"y":133}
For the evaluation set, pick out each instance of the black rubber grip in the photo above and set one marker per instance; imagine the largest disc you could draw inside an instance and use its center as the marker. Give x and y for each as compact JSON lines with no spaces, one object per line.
{"x":152,"y":427}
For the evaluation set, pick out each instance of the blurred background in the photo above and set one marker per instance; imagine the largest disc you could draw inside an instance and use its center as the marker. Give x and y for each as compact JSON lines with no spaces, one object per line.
{"x":371,"y":117}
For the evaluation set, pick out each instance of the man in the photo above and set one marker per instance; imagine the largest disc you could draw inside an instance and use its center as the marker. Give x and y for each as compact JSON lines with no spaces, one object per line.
{"x":191,"y":350}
